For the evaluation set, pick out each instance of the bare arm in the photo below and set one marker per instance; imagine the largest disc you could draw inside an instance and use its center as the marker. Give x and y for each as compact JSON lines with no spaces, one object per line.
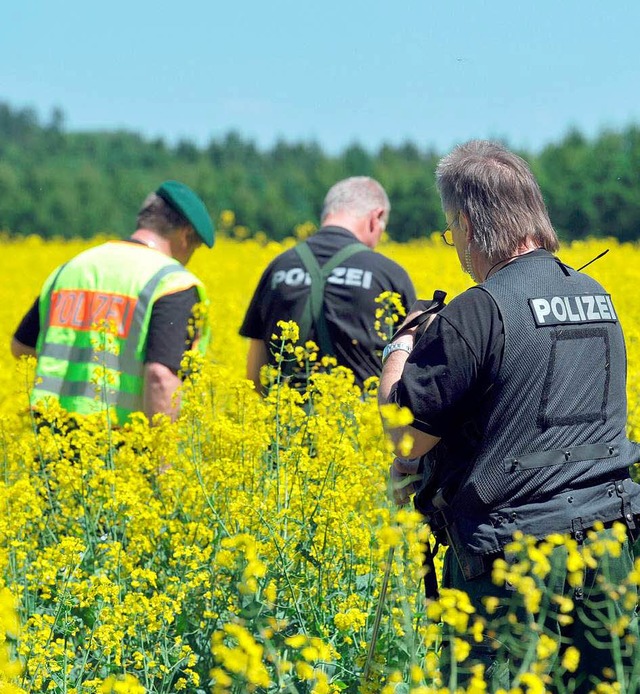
{"x":19,"y":350}
{"x":403,"y":473}
{"x":256,"y":359}
{"x":391,"y":373}
{"x":160,"y":386}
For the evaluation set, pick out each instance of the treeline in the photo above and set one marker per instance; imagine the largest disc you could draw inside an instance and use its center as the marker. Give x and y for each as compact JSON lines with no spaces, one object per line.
{"x":76,"y":184}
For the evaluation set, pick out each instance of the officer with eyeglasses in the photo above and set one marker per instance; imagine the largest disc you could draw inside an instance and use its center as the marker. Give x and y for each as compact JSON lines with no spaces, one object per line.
{"x":518,"y":392}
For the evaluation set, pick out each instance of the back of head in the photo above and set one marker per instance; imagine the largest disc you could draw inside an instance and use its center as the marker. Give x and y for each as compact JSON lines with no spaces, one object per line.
{"x":497,"y":191}
{"x":356,"y":196}
{"x":156,"y":214}
{"x":174,"y":206}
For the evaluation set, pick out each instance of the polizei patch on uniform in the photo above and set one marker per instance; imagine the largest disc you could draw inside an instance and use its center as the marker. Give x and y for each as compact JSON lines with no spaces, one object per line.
{"x":348,"y":276}
{"x":565,"y":310}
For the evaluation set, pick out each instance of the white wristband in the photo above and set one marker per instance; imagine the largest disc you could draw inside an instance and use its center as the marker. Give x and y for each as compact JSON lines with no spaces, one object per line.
{"x":394,"y":347}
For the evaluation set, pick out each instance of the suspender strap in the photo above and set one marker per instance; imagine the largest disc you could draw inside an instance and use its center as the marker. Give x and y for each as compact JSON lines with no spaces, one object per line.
{"x":313,"y":313}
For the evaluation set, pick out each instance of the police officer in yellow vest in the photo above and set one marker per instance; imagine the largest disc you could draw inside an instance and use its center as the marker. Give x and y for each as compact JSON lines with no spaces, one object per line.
{"x":110,"y":326}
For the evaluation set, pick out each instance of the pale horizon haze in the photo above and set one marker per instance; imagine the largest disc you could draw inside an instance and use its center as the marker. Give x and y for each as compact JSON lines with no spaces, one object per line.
{"x":338,"y":73}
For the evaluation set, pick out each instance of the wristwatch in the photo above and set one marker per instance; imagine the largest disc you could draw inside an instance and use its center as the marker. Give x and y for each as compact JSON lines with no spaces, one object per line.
{"x":394,"y":347}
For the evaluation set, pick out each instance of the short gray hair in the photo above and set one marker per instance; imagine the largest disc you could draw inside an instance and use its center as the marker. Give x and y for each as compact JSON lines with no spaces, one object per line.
{"x":357,"y":195}
{"x":502,"y":199}
{"x":156,"y":214}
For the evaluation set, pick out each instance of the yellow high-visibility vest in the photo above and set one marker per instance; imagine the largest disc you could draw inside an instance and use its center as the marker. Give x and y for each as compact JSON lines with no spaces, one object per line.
{"x":94,"y":319}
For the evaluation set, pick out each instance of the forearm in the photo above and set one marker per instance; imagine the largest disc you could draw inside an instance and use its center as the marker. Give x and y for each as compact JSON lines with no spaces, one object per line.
{"x":394,"y":364}
{"x":391,"y":374}
{"x":256,"y":359}
{"x":392,"y":370}
{"x":161,"y":391}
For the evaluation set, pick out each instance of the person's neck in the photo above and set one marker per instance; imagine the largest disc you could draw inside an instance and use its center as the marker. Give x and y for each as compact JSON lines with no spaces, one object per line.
{"x":152,"y":239}
{"x":358,"y":226}
{"x":524,"y":249}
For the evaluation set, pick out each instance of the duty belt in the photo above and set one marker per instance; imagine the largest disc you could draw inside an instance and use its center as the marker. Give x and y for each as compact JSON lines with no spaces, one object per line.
{"x":472,"y":565}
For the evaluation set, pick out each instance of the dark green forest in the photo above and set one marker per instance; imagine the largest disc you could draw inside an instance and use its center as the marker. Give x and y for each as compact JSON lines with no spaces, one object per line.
{"x":75,"y":184}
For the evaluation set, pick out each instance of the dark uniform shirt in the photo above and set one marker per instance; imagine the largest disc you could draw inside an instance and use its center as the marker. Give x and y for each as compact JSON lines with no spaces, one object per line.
{"x":349,"y":299}
{"x":453,"y":364}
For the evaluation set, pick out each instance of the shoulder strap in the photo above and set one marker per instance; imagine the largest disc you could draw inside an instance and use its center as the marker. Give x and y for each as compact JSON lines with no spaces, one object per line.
{"x":427,"y":307}
{"x":313,"y":313}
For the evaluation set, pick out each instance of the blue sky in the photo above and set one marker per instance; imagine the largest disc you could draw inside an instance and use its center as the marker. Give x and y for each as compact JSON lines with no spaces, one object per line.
{"x":336,"y":72}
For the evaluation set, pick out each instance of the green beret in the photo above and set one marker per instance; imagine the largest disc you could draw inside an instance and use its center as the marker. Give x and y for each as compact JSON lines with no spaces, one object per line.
{"x":185,"y":201}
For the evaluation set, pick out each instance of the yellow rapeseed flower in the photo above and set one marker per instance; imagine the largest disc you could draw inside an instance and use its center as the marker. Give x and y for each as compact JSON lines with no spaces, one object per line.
{"x":395,"y":416}
{"x":571,"y":659}
{"x":127,"y":684}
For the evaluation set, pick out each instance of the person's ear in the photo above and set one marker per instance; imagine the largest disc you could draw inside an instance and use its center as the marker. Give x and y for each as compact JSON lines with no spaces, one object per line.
{"x":377,"y":219}
{"x":466,"y":226}
{"x":187,"y":237}
{"x":372,"y":221}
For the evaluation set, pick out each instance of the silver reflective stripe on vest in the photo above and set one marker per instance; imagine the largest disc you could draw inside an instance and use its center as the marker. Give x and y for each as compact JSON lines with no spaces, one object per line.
{"x":74,"y":389}
{"x":83,"y":355}
{"x":128,"y":361}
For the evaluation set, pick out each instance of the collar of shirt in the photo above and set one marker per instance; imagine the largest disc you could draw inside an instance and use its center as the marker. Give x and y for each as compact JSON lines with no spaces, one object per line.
{"x":338,"y":231}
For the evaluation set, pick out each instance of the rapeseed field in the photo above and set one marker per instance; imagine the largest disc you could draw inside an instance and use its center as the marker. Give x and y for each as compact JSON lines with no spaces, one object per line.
{"x":245,"y":547}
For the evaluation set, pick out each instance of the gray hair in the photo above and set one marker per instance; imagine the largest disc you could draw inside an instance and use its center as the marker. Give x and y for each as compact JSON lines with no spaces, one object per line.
{"x":158,"y":215}
{"x":357,"y":195}
{"x":497,"y":191}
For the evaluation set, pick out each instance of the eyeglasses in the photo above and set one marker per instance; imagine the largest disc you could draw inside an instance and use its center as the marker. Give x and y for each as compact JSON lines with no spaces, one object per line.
{"x":447,"y":234}
{"x":447,"y":237}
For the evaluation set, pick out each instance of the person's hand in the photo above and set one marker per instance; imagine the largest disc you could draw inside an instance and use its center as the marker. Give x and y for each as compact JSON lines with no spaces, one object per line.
{"x":414,"y":311}
{"x":411,"y":327}
{"x":404,"y":479}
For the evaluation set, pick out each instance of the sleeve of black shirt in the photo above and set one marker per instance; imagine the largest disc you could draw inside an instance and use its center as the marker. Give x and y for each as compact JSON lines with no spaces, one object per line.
{"x":399,"y":281}
{"x":254,"y":323}
{"x":408,"y":292}
{"x":168,"y":337}
{"x":29,"y":328}
{"x":453,"y":364}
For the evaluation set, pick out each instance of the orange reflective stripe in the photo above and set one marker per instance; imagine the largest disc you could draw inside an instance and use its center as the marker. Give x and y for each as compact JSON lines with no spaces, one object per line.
{"x":83,"y":309}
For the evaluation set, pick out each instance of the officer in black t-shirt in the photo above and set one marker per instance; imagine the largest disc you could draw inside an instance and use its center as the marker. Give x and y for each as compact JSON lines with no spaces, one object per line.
{"x":354,"y":216}
{"x":518,"y":392}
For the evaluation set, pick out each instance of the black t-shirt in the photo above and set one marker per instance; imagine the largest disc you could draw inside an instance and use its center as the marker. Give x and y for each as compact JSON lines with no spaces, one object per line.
{"x":167,"y":339}
{"x":453,"y":364}
{"x":349,"y":299}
